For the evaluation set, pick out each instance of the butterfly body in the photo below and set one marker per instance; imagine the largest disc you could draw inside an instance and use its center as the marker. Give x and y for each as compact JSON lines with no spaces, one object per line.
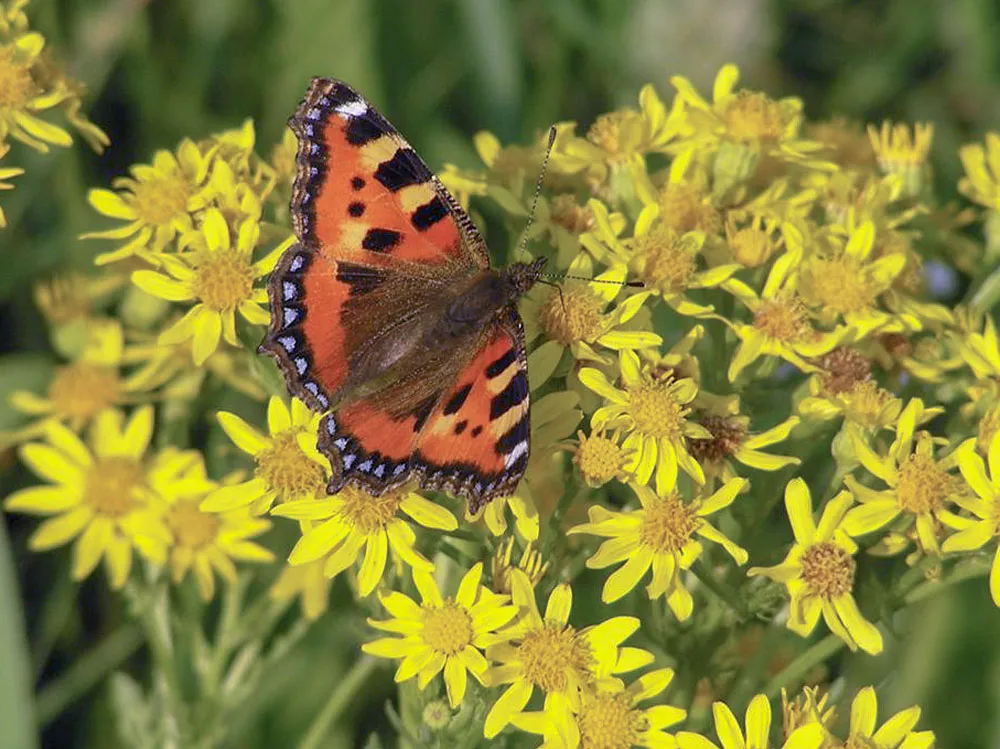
{"x":386,"y":312}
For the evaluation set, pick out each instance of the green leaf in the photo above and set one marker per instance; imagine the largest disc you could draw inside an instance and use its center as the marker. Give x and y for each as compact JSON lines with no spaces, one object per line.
{"x":17,"y":714}
{"x":21,"y":372}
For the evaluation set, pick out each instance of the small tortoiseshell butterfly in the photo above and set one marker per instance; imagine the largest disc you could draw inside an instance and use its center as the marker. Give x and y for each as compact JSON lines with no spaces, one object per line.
{"x":386,"y":310}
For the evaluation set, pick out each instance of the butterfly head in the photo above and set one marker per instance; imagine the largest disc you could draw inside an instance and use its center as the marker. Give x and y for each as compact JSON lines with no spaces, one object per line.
{"x":522,"y":276}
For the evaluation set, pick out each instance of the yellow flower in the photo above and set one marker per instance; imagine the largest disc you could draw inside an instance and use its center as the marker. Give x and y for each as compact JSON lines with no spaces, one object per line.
{"x":753,"y":243}
{"x":220,"y":278}
{"x":846,"y":389}
{"x":975,"y":532}
{"x":157,"y":201}
{"x":819,"y":571}
{"x":737,"y":120}
{"x":441,"y":633}
{"x":731,"y":438}
{"x":201,"y":542}
{"x":550,"y":654}
{"x":610,"y":717}
{"x":530,"y":563}
{"x":288,"y":465}
{"x":781,"y":324}
{"x":21,"y":96}
{"x":659,"y":536}
{"x":6,"y":173}
{"x":981,"y":182}
{"x":101,"y":494}
{"x":901,"y":154}
{"x":601,"y":457}
{"x":80,"y":390}
{"x":353,"y":520}
{"x":306,"y":581}
{"x":572,"y":316}
{"x":758,"y":730}
{"x":895,"y":733}
{"x":919,"y":486}
{"x":653,"y":409}
{"x":845,"y":283}
{"x":521,"y":505}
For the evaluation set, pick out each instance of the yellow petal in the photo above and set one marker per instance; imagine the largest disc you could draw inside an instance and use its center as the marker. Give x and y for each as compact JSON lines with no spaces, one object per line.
{"x":162,"y":286}
{"x":90,"y":547}
{"x":559,"y":605}
{"x":376,"y":553}
{"x":51,"y":464}
{"x":42,"y":500}
{"x":207,"y":332}
{"x":244,"y":436}
{"x":110,"y":204}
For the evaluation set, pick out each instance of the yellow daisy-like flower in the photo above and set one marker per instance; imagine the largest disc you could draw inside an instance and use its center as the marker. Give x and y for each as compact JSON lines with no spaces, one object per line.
{"x":919,"y":486}
{"x":846,"y":389}
{"x":220,"y":278}
{"x":901,"y":154}
{"x":572,"y":316}
{"x":737,"y":120}
{"x":288,"y":465}
{"x":895,"y":733}
{"x":531,"y":563}
{"x":101,"y":494}
{"x":781,"y":324}
{"x":441,"y":633}
{"x":352,"y":520}
{"x":157,"y":201}
{"x":981,"y":182}
{"x":819,"y":571}
{"x":21,"y":96}
{"x":610,"y":717}
{"x":202,"y":542}
{"x":660,"y":536}
{"x":758,"y":730}
{"x":653,"y":409}
{"x":521,"y":505}
{"x":975,"y":532}
{"x":731,"y":439}
{"x":550,"y":654}
{"x":845,"y":283}
{"x":600,"y":457}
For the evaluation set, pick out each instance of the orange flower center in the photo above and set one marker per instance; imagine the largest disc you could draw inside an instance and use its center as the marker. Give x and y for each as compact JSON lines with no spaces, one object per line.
{"x":665,"y":260}
{"x":599,"y":459}
{"x":668,"y":525}
{"x":785,"y":319}
{"x":573,"y":316}
{"x":81,"y":390}
{"x":655,"y":409}
{"x":685,"y":207}
{"x":113,"y":486}
{"x":448,"y":628}
{"x":567,"y":213}
{"x":287,"y":470}
{"x":752,"y":116}
{"x":922,"y":486}
{"x":192,"y":528}
{"x":366,"y":513}
{"x":16,"y":85}
{"x":223,"y":280}
{"x":552,"y":653}
{"x":608,"y":722}
{"x":866,"y":403}
{"x":844,"y":368}
{"x":727,"y":437}
{"x":839,"y":284}
{"x":751,"y":246}
{"x":988,"y":427}
{"x":608,"y":130}
{"x":828,"y":570}
{"x":161,"y":199}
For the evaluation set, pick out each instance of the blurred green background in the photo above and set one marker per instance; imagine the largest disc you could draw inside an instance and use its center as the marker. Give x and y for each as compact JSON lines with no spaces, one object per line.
{"x":159,"y":71}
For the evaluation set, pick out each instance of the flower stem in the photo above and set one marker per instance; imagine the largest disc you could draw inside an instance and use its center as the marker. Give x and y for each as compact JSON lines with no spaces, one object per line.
{"x":86,"y":672}
{"x":339,"y":699}
{"x":798,"y":669}
{"x":721,"y":591}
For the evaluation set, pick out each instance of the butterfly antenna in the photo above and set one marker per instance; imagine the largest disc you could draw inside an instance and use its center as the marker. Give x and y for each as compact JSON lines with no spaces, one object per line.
{"x":626,"y":284}
{"x":538,"y":191}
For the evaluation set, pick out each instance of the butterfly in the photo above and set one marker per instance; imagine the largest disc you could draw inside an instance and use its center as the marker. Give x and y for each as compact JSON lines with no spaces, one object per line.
{"x":386,"y":314}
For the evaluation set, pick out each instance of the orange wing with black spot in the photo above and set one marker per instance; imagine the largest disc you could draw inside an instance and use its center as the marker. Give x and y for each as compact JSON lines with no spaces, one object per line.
{"x":366,"y":210}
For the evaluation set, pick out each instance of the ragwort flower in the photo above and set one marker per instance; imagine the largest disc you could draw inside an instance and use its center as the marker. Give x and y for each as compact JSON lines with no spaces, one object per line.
{"x":442,"y":634}
{"x":101,"y":494}
{"x":731,"y":440}
{"x":901,"y":154}
{"x":975,"y":532}
{"x":220,"y":278}
{"x":919,"y":486}
{"x":819,"y":571}
{"x":895,"y":733}
{"x":981,"y":182}
{"x":653,"y":409}
{"x":758,"y":730}
{"x":610,"y":716}
{"x":660,"y":536}
{"x":21,"y":96}
{"x":552,"y":655}
{"x":352,"y":520}
{"x":846,"y":389}
{"x":288,"y":465}
{"x":6,"y":173}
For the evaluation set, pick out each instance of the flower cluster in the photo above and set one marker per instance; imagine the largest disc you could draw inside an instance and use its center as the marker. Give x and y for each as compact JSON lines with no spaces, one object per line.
{"x":743,"y":316}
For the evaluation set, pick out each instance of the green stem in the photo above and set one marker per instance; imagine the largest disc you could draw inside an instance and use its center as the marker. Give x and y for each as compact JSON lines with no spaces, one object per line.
{"x":86,"y":672}
{"x":933,"y":587}
{"x":150,"y":605}
{"x":797,"y":670}
{"x":722,"y":592}
{"x":232,"y":598}
{"x":339,"y":699}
